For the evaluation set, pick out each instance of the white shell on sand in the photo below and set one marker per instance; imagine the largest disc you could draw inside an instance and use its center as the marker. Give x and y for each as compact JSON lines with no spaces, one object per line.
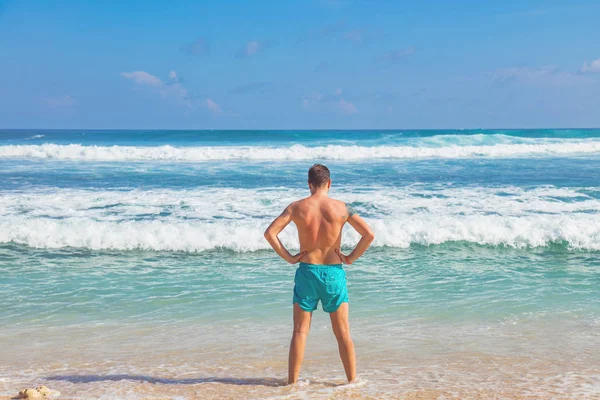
{"x":30,"y":394}
{"x":48,"y":392}
{"x":41,"y":392}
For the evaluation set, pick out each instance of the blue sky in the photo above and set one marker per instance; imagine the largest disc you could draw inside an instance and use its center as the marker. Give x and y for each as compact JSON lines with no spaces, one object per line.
{"x":310,"y":64}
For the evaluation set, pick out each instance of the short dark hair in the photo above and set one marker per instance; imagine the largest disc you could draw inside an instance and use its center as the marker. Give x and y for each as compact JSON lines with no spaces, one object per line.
{"x":318,"y":175}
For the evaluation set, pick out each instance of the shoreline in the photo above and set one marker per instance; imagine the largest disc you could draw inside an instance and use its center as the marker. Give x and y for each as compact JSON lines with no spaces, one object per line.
{"x":273,"y":388}
{"x":451,"y":376}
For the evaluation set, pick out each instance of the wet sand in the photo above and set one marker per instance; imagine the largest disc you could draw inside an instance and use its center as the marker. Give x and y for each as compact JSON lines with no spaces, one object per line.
{"x":468,"y":376}
{"x":270,"y":389}
{"x":544,"y":360}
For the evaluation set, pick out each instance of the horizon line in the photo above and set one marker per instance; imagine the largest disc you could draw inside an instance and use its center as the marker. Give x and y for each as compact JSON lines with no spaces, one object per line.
{"x":291,"y":129}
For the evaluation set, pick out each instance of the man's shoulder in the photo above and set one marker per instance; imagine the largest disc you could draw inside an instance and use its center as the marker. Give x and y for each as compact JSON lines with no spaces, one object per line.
{"x":296,"y":205}
{"x":346,"y":209}
{"x":338,"y":203}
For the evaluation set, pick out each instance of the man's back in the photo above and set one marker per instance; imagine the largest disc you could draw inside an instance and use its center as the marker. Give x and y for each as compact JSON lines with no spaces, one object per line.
{"x":319,"y":220}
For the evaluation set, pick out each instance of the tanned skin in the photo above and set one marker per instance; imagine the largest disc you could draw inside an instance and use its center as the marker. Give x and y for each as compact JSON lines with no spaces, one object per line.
{"x":319,"y":220}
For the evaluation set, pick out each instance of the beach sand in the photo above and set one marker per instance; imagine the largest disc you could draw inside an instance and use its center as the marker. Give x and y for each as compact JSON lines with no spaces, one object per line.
{"x":467,"y":376}
{"x":541,"y":360}
{"x":258,"y":390}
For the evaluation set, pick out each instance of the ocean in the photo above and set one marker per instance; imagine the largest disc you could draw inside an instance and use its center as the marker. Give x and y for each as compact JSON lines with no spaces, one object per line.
{"x":133,"y":263}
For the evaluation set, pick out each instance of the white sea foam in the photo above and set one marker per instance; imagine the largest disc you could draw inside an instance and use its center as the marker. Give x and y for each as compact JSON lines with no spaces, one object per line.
{"x":199,"y":220}
{"x":580,"y":232}
{"x":425,"y":148}
{"x":35,"y":137}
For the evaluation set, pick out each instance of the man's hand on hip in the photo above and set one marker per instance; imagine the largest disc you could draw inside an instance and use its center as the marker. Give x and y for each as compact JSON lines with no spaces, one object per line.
{"x":345,"y":259}
{"x":295,"y":259}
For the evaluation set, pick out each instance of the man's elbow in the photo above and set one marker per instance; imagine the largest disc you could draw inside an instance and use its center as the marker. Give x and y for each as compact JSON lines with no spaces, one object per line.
{"x":370,"y":236}
{"x":268,"y":235}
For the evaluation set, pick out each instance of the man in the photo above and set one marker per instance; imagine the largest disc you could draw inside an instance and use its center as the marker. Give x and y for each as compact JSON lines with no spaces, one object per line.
{"x":320,"y":276}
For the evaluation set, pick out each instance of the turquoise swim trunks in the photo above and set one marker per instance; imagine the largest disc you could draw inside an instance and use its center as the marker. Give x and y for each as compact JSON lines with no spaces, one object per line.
{"x":314,"y":282}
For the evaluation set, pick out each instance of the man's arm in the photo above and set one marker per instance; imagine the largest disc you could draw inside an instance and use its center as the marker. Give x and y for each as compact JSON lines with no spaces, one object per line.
{"x":274,"y":229}
{"x":365,"y":241}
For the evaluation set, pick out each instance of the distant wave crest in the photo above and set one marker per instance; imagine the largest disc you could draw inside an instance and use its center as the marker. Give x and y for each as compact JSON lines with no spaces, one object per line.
{"x":295,"y":152}
{"x":35,"y":137}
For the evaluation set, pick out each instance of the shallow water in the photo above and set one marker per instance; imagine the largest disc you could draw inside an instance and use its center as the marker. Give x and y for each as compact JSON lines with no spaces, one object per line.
{"x":450,"y":317}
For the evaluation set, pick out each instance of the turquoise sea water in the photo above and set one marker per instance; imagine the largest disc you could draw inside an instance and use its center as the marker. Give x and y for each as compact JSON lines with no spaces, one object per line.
{"x":141,"y":252}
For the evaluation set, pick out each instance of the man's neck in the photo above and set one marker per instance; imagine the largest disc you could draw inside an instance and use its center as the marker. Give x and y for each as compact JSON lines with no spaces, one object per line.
{"x":320,"y":193}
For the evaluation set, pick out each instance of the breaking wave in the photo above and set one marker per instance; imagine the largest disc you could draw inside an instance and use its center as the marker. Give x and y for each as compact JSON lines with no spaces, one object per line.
{"x":235,"y":219}
{"x":577,"y":232}
{"x":425,"y":148}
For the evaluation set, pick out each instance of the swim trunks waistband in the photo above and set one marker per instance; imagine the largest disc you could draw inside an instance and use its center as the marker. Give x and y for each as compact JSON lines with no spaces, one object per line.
{"x":307,"y":265}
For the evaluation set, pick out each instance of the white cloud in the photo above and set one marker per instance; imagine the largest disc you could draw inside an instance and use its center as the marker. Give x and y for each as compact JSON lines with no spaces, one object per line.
{"x":170,"y":89}
{"x":64,"y":102}
{"x":252,"y":48}
{"x":346,"y":107}
{"x":536,"y":12}
{"x":356,"y":36}
{"x":543,"y":76}
{"x":365,"y":35}
{"x":397,"y":55}
{"x":329,"y":102}
{"x":340,"y":31}
{"x":213,"y":107}
{"x":142,"y":78}
{"x":308,"y":101}
{"x":592,"y":66}
{"x":173,"y":90}
{"x":252,"y":87}
{"x":198,"y":48}
{"x":323,"y":32}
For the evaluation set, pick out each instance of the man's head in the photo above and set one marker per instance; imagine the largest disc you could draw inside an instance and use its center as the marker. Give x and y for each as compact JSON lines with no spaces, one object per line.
{"x":318,"y":178}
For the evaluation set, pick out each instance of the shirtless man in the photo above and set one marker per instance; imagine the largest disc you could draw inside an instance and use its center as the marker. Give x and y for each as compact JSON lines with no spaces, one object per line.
{"x":320,"y":276}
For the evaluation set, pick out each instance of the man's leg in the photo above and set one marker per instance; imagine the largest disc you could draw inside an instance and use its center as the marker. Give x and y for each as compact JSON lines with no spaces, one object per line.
{"x":341,"y":329}
{"x":301,"y":327}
